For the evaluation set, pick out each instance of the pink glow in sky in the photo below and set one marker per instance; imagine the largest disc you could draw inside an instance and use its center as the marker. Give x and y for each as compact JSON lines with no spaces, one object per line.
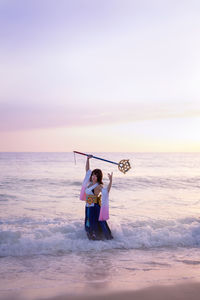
{"x":72,"y":68}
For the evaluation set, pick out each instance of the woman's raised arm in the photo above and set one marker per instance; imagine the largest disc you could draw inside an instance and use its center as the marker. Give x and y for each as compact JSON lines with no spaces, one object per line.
{"x":87,"y":167}
{"x":110,"y":183}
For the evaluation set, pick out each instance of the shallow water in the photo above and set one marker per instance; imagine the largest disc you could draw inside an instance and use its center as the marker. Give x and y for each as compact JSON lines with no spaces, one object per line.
{"x":154,"y":218}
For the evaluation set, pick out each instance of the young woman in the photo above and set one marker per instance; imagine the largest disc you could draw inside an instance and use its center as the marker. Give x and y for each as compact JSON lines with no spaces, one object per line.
{"x":97,"y":204}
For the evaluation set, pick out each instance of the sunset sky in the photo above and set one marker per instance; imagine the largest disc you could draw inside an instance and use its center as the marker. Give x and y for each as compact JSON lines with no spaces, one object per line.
{"x":100,"y":75}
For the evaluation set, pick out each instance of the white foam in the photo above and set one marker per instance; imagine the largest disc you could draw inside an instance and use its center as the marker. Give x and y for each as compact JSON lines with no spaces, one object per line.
{"x":51,"y":237}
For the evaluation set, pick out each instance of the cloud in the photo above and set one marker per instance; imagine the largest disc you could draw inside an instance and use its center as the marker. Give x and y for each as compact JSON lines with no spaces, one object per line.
{"x":24,"y":116}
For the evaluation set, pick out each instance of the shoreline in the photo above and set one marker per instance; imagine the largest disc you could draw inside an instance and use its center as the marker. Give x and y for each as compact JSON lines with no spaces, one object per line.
{"x":181,"y":291}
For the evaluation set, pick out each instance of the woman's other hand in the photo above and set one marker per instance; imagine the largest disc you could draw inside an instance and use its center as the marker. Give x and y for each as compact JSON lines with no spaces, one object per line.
{"x":110,"y":183}
{"x":110,"y":176}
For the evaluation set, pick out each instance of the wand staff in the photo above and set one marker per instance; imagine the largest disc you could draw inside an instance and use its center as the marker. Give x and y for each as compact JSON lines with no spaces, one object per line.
{"x":123,"y":165}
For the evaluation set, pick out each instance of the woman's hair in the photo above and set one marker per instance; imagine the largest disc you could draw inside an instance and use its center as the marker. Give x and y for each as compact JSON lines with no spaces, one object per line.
{"x":99,"y":175}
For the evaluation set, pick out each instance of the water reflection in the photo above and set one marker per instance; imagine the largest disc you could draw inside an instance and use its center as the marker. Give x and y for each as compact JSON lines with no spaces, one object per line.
{"x":98,"y":270}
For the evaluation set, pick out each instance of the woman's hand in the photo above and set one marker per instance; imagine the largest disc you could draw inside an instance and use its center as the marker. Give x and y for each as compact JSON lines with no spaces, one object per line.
{"x":110,"y":176}
{"x":110,"y":183}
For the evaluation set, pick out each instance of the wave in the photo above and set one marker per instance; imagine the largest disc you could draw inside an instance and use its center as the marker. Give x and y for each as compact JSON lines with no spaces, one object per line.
{"x":158,"y":182}
{"x":38,"y":182}
{"x":53,"y":237}
{"x":7,"y":197}
{"x":132,"y":184}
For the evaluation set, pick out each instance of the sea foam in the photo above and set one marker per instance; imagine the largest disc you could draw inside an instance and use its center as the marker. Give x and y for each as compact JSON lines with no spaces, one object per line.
{"x":53,"y":237}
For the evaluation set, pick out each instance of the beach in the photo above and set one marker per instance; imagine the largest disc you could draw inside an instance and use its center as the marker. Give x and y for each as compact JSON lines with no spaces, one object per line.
{"x":154,"y":218}
{"x":177,"y":292}
{"x":100,"y":87}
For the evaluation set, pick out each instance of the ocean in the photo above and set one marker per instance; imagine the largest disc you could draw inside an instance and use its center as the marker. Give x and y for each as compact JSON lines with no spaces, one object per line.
{"x":154,"y":218}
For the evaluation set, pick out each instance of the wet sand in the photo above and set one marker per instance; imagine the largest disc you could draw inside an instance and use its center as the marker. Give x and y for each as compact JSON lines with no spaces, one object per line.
{"x":184,"y":291}
{"x":189,"y":291}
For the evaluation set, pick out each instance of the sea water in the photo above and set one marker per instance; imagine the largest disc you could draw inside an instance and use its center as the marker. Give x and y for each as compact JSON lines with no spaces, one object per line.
{"x":154,"y":218}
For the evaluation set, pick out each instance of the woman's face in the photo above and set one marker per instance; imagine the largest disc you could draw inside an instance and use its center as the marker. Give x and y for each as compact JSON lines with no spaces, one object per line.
{"x":94,"y":178}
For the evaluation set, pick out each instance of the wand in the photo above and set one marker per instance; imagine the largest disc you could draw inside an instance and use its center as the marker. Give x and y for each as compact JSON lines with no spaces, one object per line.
{"x":123,"y":165}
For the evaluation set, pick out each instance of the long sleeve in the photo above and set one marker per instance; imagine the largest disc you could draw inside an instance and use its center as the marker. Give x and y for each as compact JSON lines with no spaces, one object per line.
{"x":84,"y":185}
{"x":104,"y":211}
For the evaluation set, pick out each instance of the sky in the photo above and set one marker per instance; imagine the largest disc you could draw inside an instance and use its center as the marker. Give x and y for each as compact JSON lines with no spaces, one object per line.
{"x":100,"y":75}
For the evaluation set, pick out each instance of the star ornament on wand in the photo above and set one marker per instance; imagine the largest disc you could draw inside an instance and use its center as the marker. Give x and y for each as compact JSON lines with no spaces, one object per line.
{"x":124,"y":164}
